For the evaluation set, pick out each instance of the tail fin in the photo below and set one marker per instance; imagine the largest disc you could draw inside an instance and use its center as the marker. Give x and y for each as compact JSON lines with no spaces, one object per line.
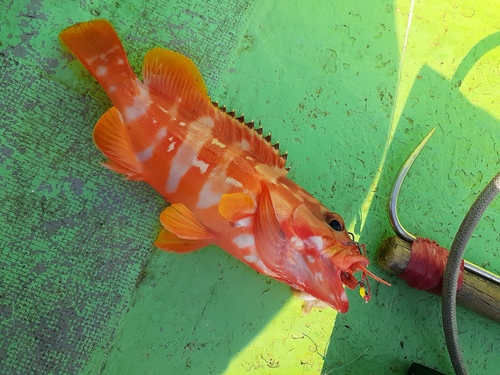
{"x":98,"y":47}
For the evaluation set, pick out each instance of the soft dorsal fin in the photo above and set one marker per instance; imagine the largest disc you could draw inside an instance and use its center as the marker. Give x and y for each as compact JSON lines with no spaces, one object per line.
{"x":174,"y":77}
{"x":177,"y":79}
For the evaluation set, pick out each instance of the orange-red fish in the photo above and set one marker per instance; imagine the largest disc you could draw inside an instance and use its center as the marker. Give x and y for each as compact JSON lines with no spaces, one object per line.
{"x":226,"y":183}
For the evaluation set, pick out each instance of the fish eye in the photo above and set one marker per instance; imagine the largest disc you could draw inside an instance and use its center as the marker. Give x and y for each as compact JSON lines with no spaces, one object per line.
{"x":336,"y":225}
{"x":334,"y":221}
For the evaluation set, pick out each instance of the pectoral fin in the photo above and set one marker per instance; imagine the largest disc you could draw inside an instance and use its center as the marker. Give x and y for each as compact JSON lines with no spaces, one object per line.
{"x":234,"y":207}
{"x":270,"y":239}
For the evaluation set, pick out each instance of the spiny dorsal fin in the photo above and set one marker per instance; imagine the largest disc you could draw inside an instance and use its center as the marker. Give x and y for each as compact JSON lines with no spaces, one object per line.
{"x":259,"y":146}
{"x":176,"y":78}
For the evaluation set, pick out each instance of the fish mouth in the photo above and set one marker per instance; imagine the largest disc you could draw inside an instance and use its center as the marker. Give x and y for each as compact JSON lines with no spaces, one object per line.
{"x":355,"y":260}
{"x":335,"y":271}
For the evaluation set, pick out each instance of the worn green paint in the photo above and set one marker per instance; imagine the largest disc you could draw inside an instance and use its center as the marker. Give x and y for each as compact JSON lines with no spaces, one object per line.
{"x":83,"y":291}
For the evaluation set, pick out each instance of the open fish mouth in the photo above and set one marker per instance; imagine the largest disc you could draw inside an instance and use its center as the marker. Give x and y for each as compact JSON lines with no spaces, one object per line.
{"x":347,"y":278}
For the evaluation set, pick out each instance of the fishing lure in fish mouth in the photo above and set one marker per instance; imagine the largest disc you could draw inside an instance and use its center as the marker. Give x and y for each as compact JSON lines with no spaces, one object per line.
{"x":364,"y":285}
{"x":226,"y":182}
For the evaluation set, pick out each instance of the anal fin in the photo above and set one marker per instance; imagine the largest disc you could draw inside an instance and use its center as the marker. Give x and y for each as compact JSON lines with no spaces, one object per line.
{"x":111,"y":137}
{"x":169,"y":241}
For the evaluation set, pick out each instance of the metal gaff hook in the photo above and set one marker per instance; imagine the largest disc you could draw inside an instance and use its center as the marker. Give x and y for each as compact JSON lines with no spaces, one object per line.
{"x":396,"y":187}
{"x":409,"y":237}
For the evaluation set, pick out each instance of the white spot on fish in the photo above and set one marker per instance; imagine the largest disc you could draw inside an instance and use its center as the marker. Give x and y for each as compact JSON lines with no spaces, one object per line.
{"x":163,"y":109}
{"x":112,"y":89}
{"x":208,"y":197}
{"x":319,"y":276}
{"x":120,"y":61}
{"x":234,"y":182}
{"x":140,"y":105}
{"x":244,"y":241}
{"x":182,"y":123}
{"x":186,"y":155}
{"x":245,"y":222}
{"x":91,"y":60}
{"x":171,"y":146}
{"x":145,"y":154}
{"x":245,"y":145}
{"x":249,"y":158}
{"x":170,"y":138}
{"x":113,"y":49}
{"x":101,"y":71}
{"x":181,"y":163}
{"x":102,"y":56}
{"x":297,"y":242}
{"x":200,"y":164}
{"x":148,"y":152}
{"x":207,"y":120}
{"x":250,"y":258}
{"x":133,"y":112}
{"x":314,"y":241}
{"x":179,"y":99}
{"x":216,"y":142}
{"x":162,"y":133}
{"x":310,"y":259}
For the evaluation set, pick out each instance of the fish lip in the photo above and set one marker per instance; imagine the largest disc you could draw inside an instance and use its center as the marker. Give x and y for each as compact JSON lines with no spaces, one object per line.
{"x":350,"y":255}
{"x":348,"y":261}
{"x":360,"y":247}
{"x":360,"y":264}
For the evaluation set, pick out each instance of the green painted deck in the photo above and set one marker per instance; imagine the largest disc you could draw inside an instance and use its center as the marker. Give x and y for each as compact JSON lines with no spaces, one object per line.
{"x":82,"y":289}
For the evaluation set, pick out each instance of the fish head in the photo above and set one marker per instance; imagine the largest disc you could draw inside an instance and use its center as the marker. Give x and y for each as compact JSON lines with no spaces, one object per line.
{"x":326,"y":252}
{"x":318,"y":256}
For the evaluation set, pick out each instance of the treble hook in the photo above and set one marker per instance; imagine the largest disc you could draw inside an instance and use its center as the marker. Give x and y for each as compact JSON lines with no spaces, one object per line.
{"x":409,"y":237}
